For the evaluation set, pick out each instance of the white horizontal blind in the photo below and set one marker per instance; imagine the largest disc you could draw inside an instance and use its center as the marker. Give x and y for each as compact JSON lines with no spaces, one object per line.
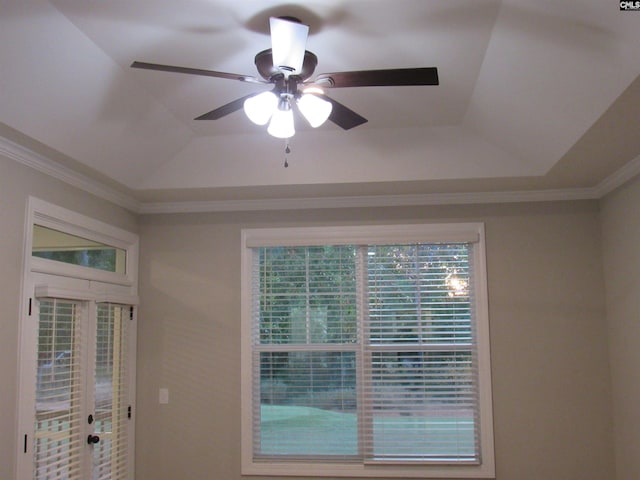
{"x":304,"y":356}
{"x":364,"y":354}
{"x":59,"y":441}
{"x":421,"y":398}
{"x":110,"y":454}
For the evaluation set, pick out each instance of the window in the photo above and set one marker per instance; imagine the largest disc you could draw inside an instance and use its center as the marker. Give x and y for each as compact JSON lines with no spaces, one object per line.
{"x":62,"y":247}
{"x":67,"y":244}
{"x":365,"y":352}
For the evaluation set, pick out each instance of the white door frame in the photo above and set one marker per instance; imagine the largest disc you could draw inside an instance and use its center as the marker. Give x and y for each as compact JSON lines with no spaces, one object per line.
{"x":48,"y":278}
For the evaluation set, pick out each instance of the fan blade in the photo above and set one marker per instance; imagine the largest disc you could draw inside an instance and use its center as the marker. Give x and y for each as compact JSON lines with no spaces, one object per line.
{"x":196,"y":71}
{"x":379,"y":78}
{"x":225,"y":109}
{"x":288,"y":43}
{"x":343,"y":116}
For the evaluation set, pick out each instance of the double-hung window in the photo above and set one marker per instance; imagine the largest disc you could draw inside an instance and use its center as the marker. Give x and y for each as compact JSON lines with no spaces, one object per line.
{"x":365,"y":352}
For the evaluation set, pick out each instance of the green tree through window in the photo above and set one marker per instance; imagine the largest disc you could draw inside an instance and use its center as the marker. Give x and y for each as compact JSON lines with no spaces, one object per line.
{"x":418,"y":335}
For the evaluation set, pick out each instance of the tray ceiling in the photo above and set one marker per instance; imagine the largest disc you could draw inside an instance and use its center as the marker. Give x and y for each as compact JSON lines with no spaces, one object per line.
{"x":532,"y":96}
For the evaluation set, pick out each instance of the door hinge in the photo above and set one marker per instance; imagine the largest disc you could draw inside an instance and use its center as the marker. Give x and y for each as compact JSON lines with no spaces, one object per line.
{"x":130,"y":313}
{"x":30,"y":305}
{"x":129,"y":411}
{"x":25,"y":443}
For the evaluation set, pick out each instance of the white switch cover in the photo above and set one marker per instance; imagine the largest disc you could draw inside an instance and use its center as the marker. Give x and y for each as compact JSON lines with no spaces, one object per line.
{"x":163,"y":396}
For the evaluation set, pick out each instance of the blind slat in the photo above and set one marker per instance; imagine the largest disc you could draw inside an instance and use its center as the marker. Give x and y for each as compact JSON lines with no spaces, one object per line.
{"x":60,"y":430}
{"x":58,"y":441}
{"x":110,"y":455}
{"x":398,"y":317}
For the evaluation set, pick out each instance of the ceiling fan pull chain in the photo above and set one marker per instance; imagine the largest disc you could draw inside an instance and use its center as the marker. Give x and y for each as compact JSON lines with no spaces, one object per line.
{"x":287,"y":151}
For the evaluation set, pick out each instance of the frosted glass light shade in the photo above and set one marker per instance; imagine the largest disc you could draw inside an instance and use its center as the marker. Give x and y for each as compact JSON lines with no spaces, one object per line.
{"x":315,"y":109}
{"x":261,"y":107}
{"x":288,"y":41}
{"x":281,"y":124}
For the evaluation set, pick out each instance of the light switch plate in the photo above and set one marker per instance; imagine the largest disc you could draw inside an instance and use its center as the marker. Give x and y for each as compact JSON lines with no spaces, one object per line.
{"x":163,"y":396}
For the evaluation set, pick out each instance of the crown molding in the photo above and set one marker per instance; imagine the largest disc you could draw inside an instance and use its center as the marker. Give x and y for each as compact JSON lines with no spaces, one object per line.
{"x":49,"y":167}
{"x":618,"y":178}
{"x":366,"y":201}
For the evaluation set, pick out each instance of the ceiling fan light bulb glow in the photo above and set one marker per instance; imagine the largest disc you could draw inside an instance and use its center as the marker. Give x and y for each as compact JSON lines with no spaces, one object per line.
{"x":288,"y":43}
{"x":281,"y":124}
{"x":261,"y":107}
{"x":315,"y":109}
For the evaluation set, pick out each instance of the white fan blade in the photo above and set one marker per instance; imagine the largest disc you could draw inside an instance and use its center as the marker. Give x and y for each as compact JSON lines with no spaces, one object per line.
{"x":288,"y":43}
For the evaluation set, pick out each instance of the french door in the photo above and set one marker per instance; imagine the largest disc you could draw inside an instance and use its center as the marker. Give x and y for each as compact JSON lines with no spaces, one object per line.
{"x":82,"y":404}
{"x":77,"y":348}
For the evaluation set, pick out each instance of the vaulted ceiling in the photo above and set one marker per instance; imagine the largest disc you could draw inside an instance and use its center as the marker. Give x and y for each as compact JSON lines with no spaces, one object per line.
{"x":534,"y":96}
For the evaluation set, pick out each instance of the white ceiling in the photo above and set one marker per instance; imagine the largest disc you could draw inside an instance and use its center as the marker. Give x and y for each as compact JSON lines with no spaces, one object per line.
{"x":533,"y":95}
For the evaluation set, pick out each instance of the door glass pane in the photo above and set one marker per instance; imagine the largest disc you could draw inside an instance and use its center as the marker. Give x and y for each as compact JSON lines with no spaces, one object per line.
{"x":63,"y":247}
{"x":58,"y":422}
{"x":111,"y":393}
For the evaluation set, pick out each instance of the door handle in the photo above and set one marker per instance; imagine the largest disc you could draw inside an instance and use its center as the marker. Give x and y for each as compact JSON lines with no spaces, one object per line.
{"x":91,"y":439}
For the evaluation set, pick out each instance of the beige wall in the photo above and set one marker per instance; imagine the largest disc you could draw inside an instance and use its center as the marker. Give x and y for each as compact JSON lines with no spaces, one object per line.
{"x":548,"y":332}
{"x":621,"y":240}
{"x":17,"y":182}
{"x":552,"y":386}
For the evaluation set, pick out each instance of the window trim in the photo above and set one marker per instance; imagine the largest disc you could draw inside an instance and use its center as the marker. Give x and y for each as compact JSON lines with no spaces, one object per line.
{"x":57,"y":218}
{"x":369,"y":234}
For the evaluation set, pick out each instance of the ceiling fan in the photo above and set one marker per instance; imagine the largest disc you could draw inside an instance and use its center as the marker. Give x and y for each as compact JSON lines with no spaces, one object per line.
{"x":289,"y":67}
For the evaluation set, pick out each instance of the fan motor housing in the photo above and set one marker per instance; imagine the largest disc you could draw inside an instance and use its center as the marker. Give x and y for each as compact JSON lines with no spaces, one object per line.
{"x":264,"y":64}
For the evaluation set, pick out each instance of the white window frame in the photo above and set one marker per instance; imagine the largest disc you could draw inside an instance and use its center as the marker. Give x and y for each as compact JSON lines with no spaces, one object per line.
{"x":53,"y":279}
{"x":370,"y":234}
{"x":57,"y":218}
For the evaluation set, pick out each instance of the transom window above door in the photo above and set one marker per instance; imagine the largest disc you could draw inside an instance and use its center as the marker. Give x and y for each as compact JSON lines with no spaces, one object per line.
{"x":62,"y":247}
{"x":63,"y":242}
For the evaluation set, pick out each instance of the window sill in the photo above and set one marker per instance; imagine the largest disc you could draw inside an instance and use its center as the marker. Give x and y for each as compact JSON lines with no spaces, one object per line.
{"x":368,"y":470}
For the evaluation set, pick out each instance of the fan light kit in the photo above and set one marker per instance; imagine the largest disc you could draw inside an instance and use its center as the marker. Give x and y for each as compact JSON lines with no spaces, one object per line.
{"x":289,"y":67}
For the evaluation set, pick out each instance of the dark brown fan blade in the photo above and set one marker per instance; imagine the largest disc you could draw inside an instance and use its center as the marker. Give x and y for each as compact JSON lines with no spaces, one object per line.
{"x":196,"y":71}
{"x":225,"y":109}
{"x":343,"y":116}
{"x":379,"y":78}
